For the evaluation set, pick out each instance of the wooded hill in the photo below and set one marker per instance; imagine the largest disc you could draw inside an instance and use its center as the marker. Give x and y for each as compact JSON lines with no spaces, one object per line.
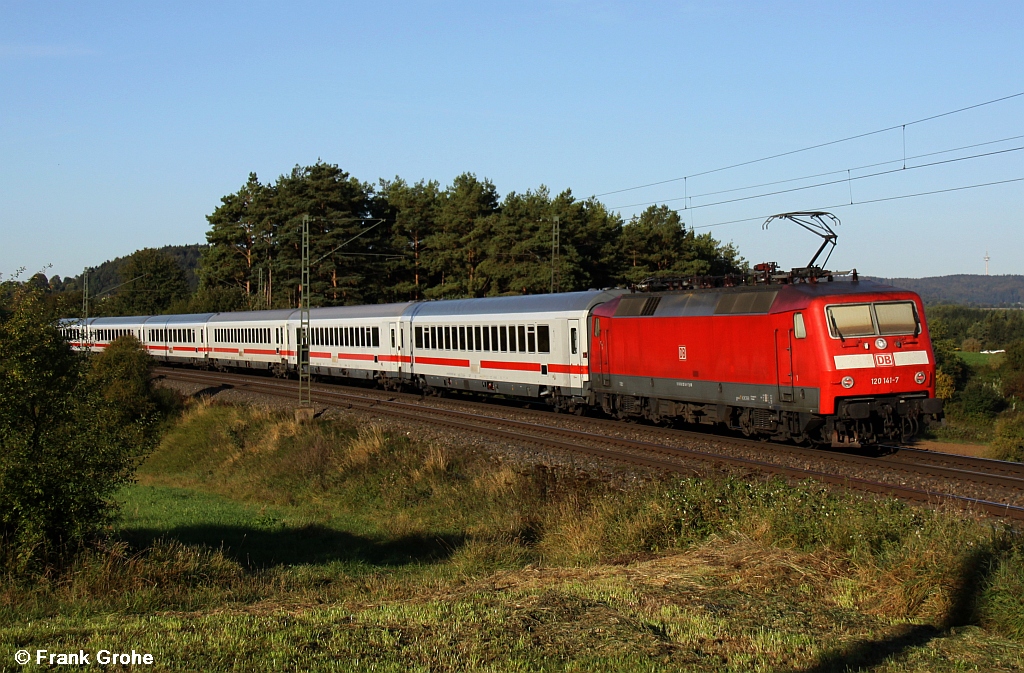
{"x":966,"y":289}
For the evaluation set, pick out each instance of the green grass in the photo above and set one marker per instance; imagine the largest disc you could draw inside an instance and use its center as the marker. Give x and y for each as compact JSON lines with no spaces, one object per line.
{"x":254,"y":543}
{"x":981,"y":359}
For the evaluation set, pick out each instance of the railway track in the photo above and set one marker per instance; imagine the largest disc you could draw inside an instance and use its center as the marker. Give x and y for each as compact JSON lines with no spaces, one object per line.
{"x":907,"y":473}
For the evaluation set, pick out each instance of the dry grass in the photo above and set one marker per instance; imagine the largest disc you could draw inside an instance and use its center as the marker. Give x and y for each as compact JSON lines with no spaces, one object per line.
{"x":371,"y":441}
{"x":408,"y":554}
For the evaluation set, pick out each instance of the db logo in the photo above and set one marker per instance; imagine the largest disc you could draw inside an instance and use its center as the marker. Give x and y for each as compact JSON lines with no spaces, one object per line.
{"x":682,"y":352}
{"x":884,"y":360}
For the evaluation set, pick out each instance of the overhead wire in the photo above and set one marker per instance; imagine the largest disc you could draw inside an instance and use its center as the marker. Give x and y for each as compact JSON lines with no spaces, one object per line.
{"x":817,"y":146}
{"x":834,"y":182}
{"x":689,"y":197}
{"x":867,"y":201}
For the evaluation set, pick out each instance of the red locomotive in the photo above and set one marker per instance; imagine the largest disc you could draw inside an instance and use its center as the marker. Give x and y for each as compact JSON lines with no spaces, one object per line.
{"x":795,"y":356}
{"x":839,"y":362}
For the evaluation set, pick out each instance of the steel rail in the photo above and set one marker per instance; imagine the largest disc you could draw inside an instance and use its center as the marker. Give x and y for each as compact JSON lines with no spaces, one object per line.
{"x":910,"y":454}
{"x":570,"y":440}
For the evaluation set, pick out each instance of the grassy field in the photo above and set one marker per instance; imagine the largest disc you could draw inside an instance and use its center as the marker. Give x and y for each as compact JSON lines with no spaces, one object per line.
{"x":981,"y":359}
{"x":254,"y":543}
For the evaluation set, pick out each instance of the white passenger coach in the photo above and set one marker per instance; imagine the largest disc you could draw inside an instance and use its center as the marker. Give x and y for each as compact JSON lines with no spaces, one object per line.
{"x":534,"y":346}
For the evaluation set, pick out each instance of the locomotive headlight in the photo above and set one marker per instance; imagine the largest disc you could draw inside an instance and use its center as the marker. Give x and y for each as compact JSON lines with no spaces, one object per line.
{"x":847,"y":381}
{"x":881,"y":344}
{"x":920,"y":378}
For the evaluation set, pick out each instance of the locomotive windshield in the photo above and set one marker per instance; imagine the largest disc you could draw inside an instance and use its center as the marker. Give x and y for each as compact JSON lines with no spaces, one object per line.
{"x":859,"y":320}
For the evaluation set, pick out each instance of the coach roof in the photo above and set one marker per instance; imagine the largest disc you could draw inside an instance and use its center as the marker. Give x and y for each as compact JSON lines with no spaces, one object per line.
{"x":180,"y":319}
{"x":280,"y":314}
{"x":532,"y":303}
{"x":357,"y":312}
{"x":116,"y":320}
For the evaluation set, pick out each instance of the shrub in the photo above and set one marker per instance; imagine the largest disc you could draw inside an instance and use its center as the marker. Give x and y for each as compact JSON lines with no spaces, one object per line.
{"x":69,"y":434}
{"x":944,"y":385}
{"x":948,"y":362}
{"x":971,"y":345}
{"x":978,"y":399}
{"x":1014,"y":358}
{"x":1009,"y":441}
{"x":1013,"y":385}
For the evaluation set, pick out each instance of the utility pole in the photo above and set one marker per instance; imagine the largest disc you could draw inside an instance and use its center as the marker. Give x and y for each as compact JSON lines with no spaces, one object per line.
{"x":555,"y":234}
{"x":986,"y":262}
{"x":86,"y":341}
{"x":303,"y":335}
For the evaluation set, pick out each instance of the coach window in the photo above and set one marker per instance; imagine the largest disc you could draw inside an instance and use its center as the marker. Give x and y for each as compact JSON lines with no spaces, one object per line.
{"x":375,"y":335}
{"x":522,"y":338}
{"x":572,"y":340}
{"x":597,"y":327}
{"x":478,"y":344}
{"x":511,"y":338}
{"x":487,"y":338}
{"x":531,"y":339}
{"x":417,"y":335}
{"x":543,"y":339}
{"x":470,"y":343}
{"x":447,"y":338}
{"x":799,"y":331}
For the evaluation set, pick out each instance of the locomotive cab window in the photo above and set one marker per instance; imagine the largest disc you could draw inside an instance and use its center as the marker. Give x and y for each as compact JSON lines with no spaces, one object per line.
{"x":799,"y":330}
{"x":858,"y":320}
{"x":850,"y":320}
{"x":897,"y":318}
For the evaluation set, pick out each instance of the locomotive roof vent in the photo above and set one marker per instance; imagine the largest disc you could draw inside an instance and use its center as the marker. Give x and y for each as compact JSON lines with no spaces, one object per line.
{"x":767,"y":273}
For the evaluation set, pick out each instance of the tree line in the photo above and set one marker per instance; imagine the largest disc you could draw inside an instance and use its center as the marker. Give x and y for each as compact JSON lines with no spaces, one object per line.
{"x":398,"y":241}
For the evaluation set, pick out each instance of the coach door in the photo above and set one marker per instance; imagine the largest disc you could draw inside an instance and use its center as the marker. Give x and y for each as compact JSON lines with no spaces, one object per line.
{"x":575,"y":356}
{"x":395,"y":345}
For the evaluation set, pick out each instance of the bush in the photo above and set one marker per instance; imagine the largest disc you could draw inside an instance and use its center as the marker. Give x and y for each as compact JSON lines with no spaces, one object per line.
{"x":70,"y":434}
{"x":971,"y":345}
{"x":978,"y":399}
{"x":1014,"y":358}
{"x":944,"y":385}
{"x":1009,"y":441}
{"x":948,"y":362}
{"x":1013,"y":385}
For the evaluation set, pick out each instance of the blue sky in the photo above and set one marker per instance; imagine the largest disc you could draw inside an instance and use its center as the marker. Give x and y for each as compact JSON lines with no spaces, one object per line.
{"x":122,"y":124}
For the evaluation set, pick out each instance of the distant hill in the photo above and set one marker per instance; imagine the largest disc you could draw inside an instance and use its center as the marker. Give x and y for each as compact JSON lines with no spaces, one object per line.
{"x":108,"y":274}
{"x":966,"y":289}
